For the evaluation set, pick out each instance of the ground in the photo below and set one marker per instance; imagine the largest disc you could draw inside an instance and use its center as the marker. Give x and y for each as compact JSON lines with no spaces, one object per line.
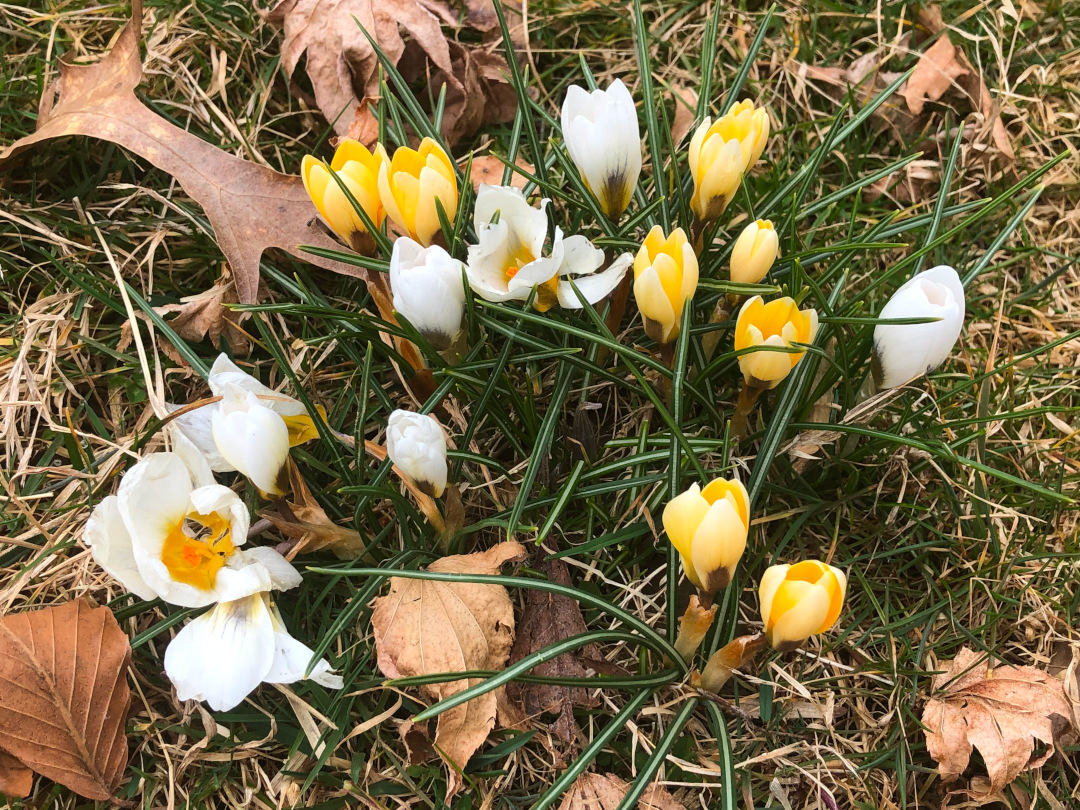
{"x":951,"y":508}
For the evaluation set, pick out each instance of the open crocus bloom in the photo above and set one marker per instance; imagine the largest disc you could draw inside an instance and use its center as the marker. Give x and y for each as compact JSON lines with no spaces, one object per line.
{"x":221,"y":656}
{"x":905,"y":351}
{"x":162,"y":535}
{"x":708,"y":528}
{"x":778,"y":323}
{"x":508,"y":261}
{"x":798,"y":601}
{"x":410,"y":183}
{"x":602,"y":136}
{"x":358,"y":170}
{"x":722,"y":152}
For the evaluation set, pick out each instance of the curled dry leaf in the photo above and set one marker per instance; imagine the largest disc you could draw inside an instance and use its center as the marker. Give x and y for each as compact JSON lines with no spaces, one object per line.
{"x":307,"y":525}
{"x":64,"y":696}
{"x":592,"y":791}
{"x":250,"y":207}
{"x":1003,"y":713}
{"x":423,"y":627}
{"x":207,"y":314}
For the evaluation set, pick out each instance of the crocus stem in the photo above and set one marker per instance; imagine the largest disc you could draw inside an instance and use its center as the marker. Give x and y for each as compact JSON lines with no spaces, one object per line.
{"x":737,"y":653}
{"x":693,"y":626}
{"x":748,"y":398}
{"x":697,"y":234}
{"x":720,"y":313}
{"x":667,"y":357}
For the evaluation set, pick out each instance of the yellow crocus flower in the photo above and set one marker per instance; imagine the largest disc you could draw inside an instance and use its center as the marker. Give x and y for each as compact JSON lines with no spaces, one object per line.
{"x":722,"y":152}
{"x":411,"y":182}
{"x":798,"y":601}
{"x":708,"y":528}
{"x":754,"y":252}
{"x":358,"y":169}
{"x":779,"y":323}
{"x":665,"y":278}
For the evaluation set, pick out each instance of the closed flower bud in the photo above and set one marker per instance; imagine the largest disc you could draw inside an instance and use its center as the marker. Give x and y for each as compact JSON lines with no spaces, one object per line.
{"x":601,"y":133}
{"x":417,"y":445}
{"x":754,"y":252}
{"x":411,"y":182}
{"x":778,"y":323}
{"x":428,"y":290}
{"x":905,"y":351}
{"x":708,"y":528}
{"x":665,"y":278}
{"x":358,"y":170}
{"x":798,"y":601}
{"x":722,"y":152}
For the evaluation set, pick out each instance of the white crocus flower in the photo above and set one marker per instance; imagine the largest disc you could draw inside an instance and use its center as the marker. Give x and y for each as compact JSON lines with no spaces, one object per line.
{"x":601,"y":133}
{"x":428,"y":290}
{"x":165,"y":536}
{"x":905,"y":351}
{"x":416,"y":443}
{"x":223,"y":655}
{"x":508,"y":261}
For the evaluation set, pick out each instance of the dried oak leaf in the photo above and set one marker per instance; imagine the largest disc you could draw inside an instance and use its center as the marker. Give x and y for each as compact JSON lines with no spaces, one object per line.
{"x":207,"y":314}
{"x":309,"y":528}
{"x":424,"y":627}
{"x":1003,"y":713}
{"x":250,"y":207}
{"x":16,"y":780}
{"x":64,"y":695}
{"x":591,"y":791}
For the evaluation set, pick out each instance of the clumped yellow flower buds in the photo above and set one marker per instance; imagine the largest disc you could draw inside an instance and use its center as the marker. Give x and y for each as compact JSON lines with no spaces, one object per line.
{"x":801,"y":600}
{"x":779,"y":323}
{"x":665,"y":278}
{"x":754,"y":252}
{"x":358,"y":170}
{"x":722,"y":152}
{"x":708,"y":528}
{"x":410,"y":183}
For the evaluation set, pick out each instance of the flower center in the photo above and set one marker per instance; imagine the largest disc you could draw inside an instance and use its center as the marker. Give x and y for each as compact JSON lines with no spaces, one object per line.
{"x":520,"y":257}
{"x":196,"y":549}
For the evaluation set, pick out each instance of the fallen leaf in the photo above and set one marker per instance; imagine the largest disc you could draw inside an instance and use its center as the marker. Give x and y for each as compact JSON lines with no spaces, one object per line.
{"x":934,"y":74}
{"x":682,"y":119}
{"x":308,"y":526}
{"x":424,"y":627}
{"x":1003,"y":713}
{"x":16,"y":780}
{"x":65,"y":697}
{"x":488,"y":169}
{"x":343,"y":67}
{"x":250,"y":207}
{"x":592,"y":791}
{"x":207,"y":315}
{"x":365,"y":124}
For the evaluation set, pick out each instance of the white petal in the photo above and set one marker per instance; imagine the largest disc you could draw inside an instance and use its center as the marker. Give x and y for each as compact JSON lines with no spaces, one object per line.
{"x":221,"y":656}
{"x":153,"y":498}
{"x":417,"y":445}
{"x":597,"y":286}
{"x":291,"y":659}
{"x":281,"y":575}
{"x":427,"y":288}
{"x":110,"y":543}
{"x":252,"y":438}
{"x":196,"y":427}
{"x":225,"y":372}
{"x":216,"y":498}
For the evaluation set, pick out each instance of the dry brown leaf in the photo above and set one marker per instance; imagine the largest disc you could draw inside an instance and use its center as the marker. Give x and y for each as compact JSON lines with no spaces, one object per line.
{"x":365,"y":124}
{"x":423,"y":627}
{"x":207,"y":315}
{"x":16,"y":780}
{"x":250,"y":207}
{"x":934,"y":75}
{"x":65,"y":696}
{"x":489,"y":169}
{"x":1003,"y":713}
{"x":682,"y":119}
{"x":343,"y":67}
{"x":309,"y":527}
{"x":592,"y":791}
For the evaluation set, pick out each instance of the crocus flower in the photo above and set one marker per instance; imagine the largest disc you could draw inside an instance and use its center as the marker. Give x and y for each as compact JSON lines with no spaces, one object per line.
{"x":905,"y":351}
{"x":165,"y":536}
{"x":779,"y":323}
{"x":429,"y":290}
{"x":221,"y":656}
{"x":722,"y":152}
{"x":665,"y":278}
{"x":410,"y":183}
{"x":507,"y":262}
{"x":754,"y":252}
{"x":708,"y":527}
{"x":798,"y":601}
{"x":601,"y":133}
{"x":358,"y":170}
{"x":416,"y":443}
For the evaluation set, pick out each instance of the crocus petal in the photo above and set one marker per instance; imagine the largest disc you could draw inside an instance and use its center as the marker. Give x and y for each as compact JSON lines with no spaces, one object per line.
{"x":110,"y":543}
{"x":252,"y":438}
{"x":291,"y":659}
{"x":225,"y":372}
{"x":196,"y":429}
{"x":795,"y":626}
{"x":597,"y":286}
{"x":770,"y":583}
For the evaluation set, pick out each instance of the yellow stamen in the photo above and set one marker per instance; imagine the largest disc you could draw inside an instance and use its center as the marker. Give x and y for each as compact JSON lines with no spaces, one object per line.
{"x":193,"y":555}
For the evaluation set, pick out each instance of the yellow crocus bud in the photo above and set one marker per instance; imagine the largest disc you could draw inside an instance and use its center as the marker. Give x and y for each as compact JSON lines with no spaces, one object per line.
{"x":754,"y":252}
{"x":722,"y":152}
{"x":411,"y":182}
{"x":779,"y":323}
{"x":798,"y":601}
{"x":708,"y":528}
{"x":358,"y":170}
{"x":665,"y":278}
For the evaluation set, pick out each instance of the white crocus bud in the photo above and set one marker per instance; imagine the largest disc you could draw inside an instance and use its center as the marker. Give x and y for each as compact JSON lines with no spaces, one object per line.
{"x":252,"y":438}
{"x":416,"y":443}
{"x":754,"y":252}
{"x":601,"y":133}
{"x":221,"y":656}
{"x":428,"y":290}
{"x":905,"y":351}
